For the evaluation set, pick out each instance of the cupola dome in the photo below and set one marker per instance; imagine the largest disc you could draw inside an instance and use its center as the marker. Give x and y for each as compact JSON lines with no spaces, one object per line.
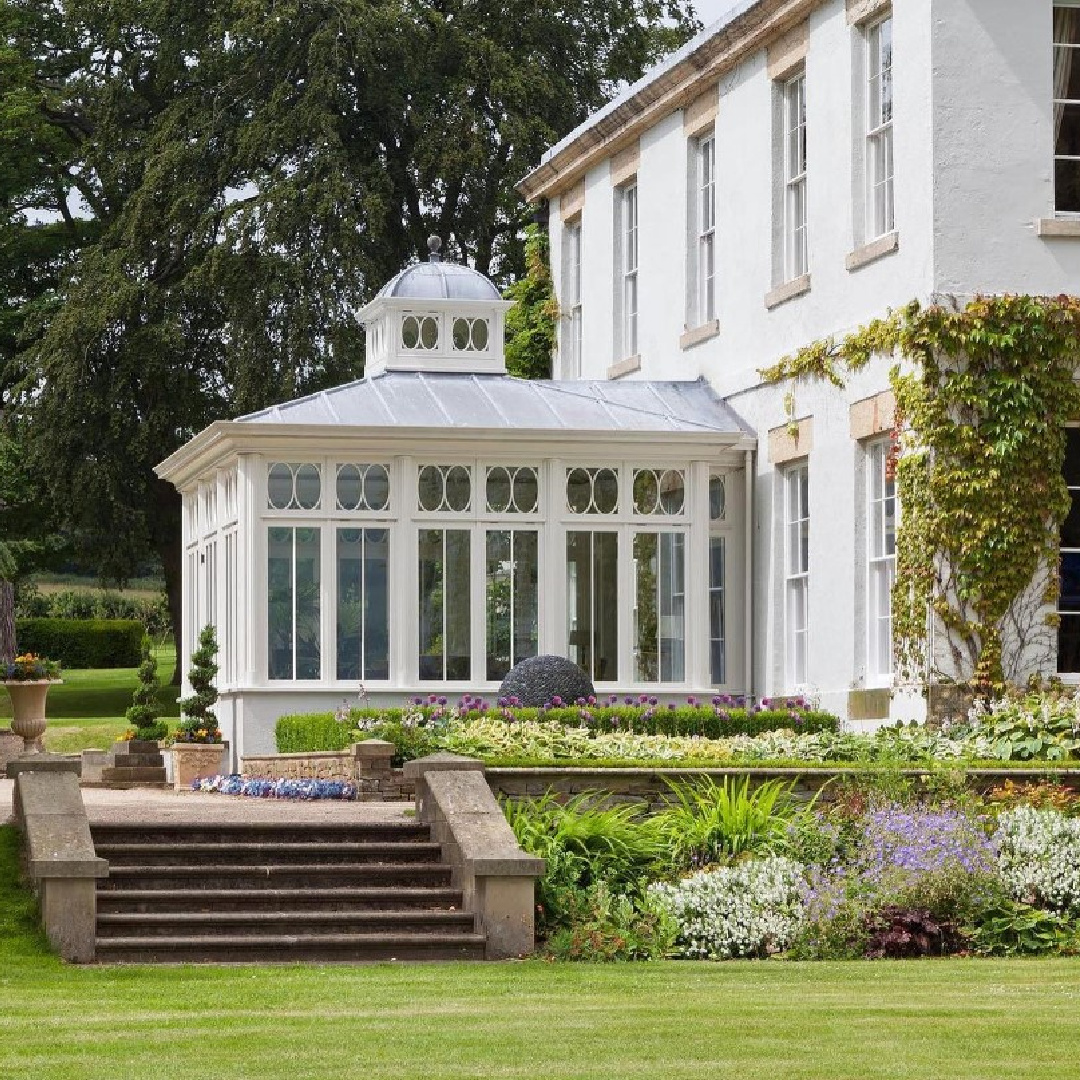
{"x":436,"y":316}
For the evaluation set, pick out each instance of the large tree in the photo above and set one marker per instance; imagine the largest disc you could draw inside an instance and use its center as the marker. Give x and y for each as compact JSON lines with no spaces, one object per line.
{"x":216,"y":186}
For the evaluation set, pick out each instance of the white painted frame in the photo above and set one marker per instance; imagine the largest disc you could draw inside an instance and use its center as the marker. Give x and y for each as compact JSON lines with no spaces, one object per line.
{"x":880,"y":182}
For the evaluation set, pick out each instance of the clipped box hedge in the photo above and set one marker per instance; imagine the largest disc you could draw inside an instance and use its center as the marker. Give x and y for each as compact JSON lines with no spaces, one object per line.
{"x":83,"y":643}
{"x":300,"y":733}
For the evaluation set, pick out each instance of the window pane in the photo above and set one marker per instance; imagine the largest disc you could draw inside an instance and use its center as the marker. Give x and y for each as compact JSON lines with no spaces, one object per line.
{"x":279,"y":603}
{"x":512,"y":608}
{"x":363,"y":641}
{"x":350,"y":600}
{"x":1068,"y":129}
{"x":1070,"y":582}
{"x":1072,"y":457}
{"x":377,"y":604}
{"x":307,"y":604}
{"x":432,"y":568}
{"x":458,"y":645}
{"x":1069,"y":644}
{"x":592,"y":602}
{"x":660,"y":613}
{"x":717,"y":628}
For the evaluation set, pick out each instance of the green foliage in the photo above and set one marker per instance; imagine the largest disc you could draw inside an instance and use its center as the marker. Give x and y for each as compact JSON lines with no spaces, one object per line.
{"x":196,"y":708}
{"x":145,"y":702}
{"x":1012,"y":928}
{"x":73,"y":604}
{"x":710,"y":822}
{"x":411,"y":741}
{"x":982,"y":412}
{"x":583,"y":843}
{"x":530,"y":323}
{"x":83,"y":643}
{"x":299,"y":733}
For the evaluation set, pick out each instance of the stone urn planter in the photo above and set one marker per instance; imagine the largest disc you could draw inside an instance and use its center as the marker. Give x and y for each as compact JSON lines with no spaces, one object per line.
{"x":196,"y":761}
{"x":28,"y":709}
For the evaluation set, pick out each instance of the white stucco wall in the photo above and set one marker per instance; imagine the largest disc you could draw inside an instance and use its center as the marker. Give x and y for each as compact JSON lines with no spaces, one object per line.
{"x":973,"y":138}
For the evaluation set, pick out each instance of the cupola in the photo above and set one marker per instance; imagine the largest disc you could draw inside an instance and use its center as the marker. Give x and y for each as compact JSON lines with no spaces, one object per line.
{"x":436,"y":316}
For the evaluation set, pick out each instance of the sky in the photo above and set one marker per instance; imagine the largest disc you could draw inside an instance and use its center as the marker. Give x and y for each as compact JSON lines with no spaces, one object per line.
{"x":709,"y":11}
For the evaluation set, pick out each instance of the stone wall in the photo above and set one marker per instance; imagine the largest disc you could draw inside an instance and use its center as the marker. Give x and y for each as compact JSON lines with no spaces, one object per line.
{"x":365,"y":764}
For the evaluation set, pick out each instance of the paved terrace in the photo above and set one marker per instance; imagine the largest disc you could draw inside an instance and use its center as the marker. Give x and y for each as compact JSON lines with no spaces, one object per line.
{"x":150,"y":806}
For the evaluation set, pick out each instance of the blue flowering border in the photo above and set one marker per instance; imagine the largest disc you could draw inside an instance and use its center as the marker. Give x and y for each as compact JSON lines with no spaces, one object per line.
{"x":257,"y":788}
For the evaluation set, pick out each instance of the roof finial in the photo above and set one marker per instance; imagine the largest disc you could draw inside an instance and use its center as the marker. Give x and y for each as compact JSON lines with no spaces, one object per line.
{"x":434,"y":244}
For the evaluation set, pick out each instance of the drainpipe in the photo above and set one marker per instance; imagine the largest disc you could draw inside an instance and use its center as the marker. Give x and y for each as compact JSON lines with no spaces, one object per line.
{"x":748,"y":560}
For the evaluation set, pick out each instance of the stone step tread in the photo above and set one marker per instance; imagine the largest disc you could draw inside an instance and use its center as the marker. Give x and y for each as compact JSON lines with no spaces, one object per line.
{"x":203,"y":870}
{"x":438,"y":937}
{"x":184,"y":828}
{"x":385,"y":915}
{"x":402,"y":892}
{"x":330,"y":847}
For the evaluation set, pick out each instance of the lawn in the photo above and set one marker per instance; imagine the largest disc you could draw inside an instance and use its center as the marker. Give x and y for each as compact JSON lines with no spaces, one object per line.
{"x":962,"y":1019}
{"x":87,"y":709}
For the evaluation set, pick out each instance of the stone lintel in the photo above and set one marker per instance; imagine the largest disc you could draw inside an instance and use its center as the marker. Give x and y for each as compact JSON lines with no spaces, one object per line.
{"x":873,"y":415}
{"x":787,"y":445}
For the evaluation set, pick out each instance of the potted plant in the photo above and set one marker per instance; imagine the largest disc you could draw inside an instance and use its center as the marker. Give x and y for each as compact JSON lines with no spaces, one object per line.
{"x":27,"y":679}
{"x":197,"y":744}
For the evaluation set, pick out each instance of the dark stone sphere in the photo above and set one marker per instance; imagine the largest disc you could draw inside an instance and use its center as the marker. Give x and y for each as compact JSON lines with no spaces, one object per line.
{"x":540,"y":679}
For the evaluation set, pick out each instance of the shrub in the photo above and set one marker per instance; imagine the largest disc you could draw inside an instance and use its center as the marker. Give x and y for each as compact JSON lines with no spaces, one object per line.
{"x":607,"y":927}
{"x":1043,"y":725}
{"x":897,"y":933}
{"x":710,"y":822}
{"x":1039,"y":856}
{"x":1015,"y":929}
{"x":198,"y":723}
{"x":145,"y":706}
{"x":752,"y":909}
{"x":300,"y":733}
{"x":30,"y":602}
{"x":83,"y":643}
{"x":1042,"y":794}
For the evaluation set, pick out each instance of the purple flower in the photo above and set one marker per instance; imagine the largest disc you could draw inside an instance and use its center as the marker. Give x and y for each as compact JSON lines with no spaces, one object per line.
{"x":557,"y":701}
{"x":442,"y":701}
{"x":692,"y":701}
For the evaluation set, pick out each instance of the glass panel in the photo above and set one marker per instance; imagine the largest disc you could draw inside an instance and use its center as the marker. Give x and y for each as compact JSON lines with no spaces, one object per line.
{"x":1069,"y":644}
{"x":646,"y":492}
{"x":279,"y":603}
{"x":429,"y":488}
{"x":499,"y":604}
{"x":1072,"y":457}
{"x":606,"y":491}
{"x":377,"y":604}
{"x":592,"y":602}
{"x":431,"y":567}
{"x":1067,"y":184}
{"x":499,"y":490}
{"x":672,"y":492}
{"x":308,"y":486}
{"x":660,"y":631}
{"x":410,"y":332}
{"x":350,"y":602}
{"x":717,"y":628}
{"x":461,"y":334}
{"x":526,"y":490}
{"x":458,"y":627}
{"x":429,"y":332}
{"x":279,"y":486}
{"x":646,"y":630}
{"x":377,"y":487}
{"x":479,"y":334}
{"x":526,"y":595}
{"x":1070,"y":582}
{"x":350,"y":487}
{"x":717,"y":498}
{"x":307,"y":604}
{"x":578,"y":490}
{"x":458,"y":488}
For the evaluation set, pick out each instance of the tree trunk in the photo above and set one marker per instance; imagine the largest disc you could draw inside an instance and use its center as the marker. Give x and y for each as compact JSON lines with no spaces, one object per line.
{"x":7,"y":622}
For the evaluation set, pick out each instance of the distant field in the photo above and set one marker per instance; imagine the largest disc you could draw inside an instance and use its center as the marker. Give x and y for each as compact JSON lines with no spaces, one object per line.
{"x":142,"y":588}
{"x":86,"y":711}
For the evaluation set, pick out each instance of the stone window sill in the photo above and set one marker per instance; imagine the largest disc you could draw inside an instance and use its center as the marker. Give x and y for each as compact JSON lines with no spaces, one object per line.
{"x":788,"y":291}
{"x":1059,"y":228}
{"x":625,"y":367}
{"x":699,"y":334}
{"x":876,"y":249}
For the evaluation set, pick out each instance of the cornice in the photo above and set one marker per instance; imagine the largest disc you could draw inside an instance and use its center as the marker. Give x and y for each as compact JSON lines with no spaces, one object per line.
{"x":671,"y":89}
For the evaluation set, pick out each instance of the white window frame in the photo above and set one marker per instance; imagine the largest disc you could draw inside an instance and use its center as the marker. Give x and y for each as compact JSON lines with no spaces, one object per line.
{"x":628,"y":226}
{"x":880,"y":187}
{"x":880,"y":562}
{"x":706,"y":228}
{"x":1058,"y":98}
{"x":572,"y":328}
{"x":796,"y":230}
{"x":797,"y":572}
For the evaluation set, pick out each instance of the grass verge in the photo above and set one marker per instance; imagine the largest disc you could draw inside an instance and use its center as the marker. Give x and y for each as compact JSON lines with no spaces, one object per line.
{"x":962,"y":1019}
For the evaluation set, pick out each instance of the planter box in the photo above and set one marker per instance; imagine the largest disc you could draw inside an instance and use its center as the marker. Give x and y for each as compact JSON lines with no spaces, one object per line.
{"x":196,"y":761}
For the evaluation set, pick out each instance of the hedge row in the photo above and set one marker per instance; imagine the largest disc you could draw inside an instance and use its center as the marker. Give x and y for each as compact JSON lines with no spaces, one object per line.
{"x":709,"y":721}
{"x":31,"y":603}
{"x":83,"y":643}
{"x":300,"y":733}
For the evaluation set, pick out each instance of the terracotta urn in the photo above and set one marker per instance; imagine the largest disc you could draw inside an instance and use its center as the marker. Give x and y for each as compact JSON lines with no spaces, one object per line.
{"x":28,"y":709}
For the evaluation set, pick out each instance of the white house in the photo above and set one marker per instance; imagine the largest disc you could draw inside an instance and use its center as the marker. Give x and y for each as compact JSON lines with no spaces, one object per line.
{"x":795,"y":170}
{"x":798,"y":168}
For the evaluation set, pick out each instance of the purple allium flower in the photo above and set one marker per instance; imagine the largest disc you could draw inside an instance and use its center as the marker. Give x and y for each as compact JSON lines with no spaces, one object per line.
{"x":692,"y":701}
{"x":442,"y":701}
{"x":718,"y":700}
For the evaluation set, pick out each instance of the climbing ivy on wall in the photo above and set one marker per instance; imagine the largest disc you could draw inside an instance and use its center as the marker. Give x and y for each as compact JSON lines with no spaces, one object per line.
{"x":983,"y":393}
{"x":530,"y":323}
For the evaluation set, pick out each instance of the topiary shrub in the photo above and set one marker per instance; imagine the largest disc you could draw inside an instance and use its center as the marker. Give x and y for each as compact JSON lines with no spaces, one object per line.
{"x":145,"y":706}
{"x":546,"y":680}
{"x":199,"y":723}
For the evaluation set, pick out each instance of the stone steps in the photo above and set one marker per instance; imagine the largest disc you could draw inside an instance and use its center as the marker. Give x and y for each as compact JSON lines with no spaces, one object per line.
{"x":270,"y":893}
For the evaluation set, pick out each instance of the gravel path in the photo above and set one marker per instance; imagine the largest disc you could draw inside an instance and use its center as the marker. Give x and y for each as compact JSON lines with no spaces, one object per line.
{"x":147,"y":806}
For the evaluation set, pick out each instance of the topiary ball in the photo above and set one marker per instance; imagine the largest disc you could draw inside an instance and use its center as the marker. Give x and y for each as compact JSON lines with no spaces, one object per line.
{"x":541,"y":679}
